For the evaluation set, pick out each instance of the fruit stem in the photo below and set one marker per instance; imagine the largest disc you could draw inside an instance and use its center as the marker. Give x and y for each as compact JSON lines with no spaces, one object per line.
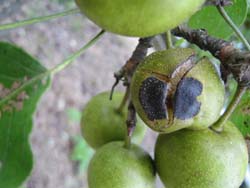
{"x":218,"y":126}
{"x":127,"y":143}
{"x":131,"y":123}
{"x":124,"y":101}
{"x":37,"y":20}
{"x":233,"y":26}
{"x":68,"y":61}
{"x":169,"y":43}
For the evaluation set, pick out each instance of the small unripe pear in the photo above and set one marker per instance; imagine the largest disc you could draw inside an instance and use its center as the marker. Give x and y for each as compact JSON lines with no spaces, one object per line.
{"x":102,"y":123}
{"x":140,"y":18}
{"x":114,"y":166}
{"x":202,"y":159}
{"x":171,"y":90}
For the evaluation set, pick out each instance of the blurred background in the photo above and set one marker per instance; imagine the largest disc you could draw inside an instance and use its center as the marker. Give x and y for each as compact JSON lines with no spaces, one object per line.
{"x":60,"y":154}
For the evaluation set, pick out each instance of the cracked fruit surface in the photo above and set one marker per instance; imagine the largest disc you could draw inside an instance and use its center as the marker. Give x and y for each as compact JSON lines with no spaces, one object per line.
{"x":138,"y":18}
{"x":101,"y":123}
{"x":202,"y":159}
{"x":114,"y":166}
{"x":171,"y":90}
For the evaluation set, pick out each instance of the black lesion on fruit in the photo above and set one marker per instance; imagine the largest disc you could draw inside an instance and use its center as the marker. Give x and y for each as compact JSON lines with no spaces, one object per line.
{"x":186,"y":105}
{"x":152,"y":96}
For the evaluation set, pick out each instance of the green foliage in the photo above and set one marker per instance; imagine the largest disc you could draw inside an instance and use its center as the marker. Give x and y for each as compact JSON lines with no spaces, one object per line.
{"x":241,"y":116}
{"x":74,"y":115}
{"x":210,"y":19}
{"x":16,"y":67}
{"x":81,"y":153}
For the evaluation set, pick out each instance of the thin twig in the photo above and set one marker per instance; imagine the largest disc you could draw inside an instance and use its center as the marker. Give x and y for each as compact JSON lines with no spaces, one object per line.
{"x":52,"y":71}
{"x":218,"y":126}
{"x":124,"y":101}
{"x":131,"y":123}
{"x":127,"y":72}
{"x":219,"y":2}
{"x":169,"y":43}
{"x":233,"y":60}
{"x":37,"y":20}
{"x":233,"y":26}
{"x":128,"y":69}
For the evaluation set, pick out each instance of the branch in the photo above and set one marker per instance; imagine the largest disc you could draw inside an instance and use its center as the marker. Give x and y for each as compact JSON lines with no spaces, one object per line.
{"x":219,"y":2}
{"x":232,"y":60}
{"x":127,"y":72}
{"x":68,"y":61}
{"x":128,"y":69}
{"x":37,"y":20}
{"x":131,"y":123}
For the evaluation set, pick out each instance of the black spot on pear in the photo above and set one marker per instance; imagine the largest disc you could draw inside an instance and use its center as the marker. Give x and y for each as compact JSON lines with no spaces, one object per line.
{"x":152,"y":96}
{"x":185,"y":100}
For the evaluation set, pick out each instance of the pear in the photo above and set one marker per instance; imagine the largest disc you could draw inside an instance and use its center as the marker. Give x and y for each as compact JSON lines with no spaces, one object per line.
{"x":101,"y":123}
{"x":202,"y":159}
{"x":114,"y":166}
{"x":172,"y":90}
{"x":138,"y":18}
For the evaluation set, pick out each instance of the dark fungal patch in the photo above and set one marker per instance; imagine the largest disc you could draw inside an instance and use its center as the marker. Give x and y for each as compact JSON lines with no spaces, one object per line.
{"x":152,"y":96}
{"x":185,"y":99}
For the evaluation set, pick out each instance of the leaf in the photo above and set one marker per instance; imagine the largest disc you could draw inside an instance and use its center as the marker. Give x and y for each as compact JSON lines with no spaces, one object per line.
{"x":241,"y":116}
{"x":210,"y":19}
{"x":16,"y":67}
{"x":81,"y":152}
{"x":74,"y":115}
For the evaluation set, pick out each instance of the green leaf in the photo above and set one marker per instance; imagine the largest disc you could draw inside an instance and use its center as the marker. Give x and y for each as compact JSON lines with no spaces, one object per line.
{"x":81,"y":153}
{"x":241,"y":116}
{"x":74,"y":115}
{"x":210,"y":19}
{"x":16,"y":67}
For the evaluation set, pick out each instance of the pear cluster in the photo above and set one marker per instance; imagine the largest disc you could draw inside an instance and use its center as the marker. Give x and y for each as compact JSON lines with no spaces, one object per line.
{"x":181,"y":97}
{"x":176,"y":94}
{"x":103,"y":127}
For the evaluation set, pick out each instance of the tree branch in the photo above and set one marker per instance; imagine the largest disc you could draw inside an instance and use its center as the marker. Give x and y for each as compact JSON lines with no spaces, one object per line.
{"x":232,"y":60}
{"x":128,"y":69}
{"x":131,"y":123}
{"x":219,"y":2}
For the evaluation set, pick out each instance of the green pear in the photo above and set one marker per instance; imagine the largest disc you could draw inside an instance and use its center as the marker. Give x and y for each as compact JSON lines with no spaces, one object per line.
{"x":202,"y":159}
{"x":101,"y":123}
{"x":172,"y":90}
{"x":114,"y":166}
{"x":140,"y":18}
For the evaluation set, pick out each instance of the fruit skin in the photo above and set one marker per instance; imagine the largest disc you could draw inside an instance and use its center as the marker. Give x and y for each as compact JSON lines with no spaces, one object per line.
{"x":138,"y":18}
{"x":202,"y":159}
{"x":114,"y":166}
{"x":100,"y":123}
{"x":210,"y":100}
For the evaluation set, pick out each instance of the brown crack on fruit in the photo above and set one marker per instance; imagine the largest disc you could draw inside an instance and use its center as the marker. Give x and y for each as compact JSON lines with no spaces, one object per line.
{"x":15,"y":104}
{"x":157,"y":91}
{"x":181,"y":70}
